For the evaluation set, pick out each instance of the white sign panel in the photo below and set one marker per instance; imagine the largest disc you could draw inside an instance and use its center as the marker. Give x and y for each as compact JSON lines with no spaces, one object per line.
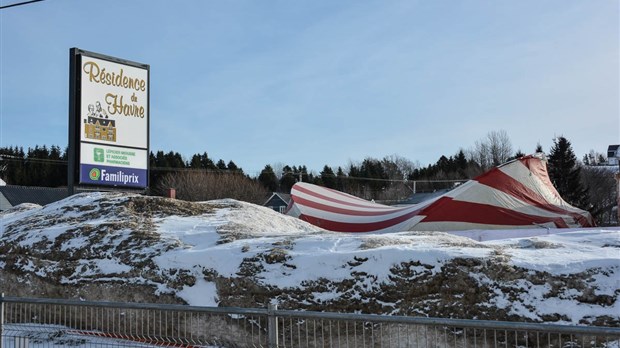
{"x":97,"y":154}
{"x":115,"y":98}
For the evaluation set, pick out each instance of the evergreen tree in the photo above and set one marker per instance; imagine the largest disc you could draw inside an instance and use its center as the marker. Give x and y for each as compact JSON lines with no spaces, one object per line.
{"x":461,"y":162}
{"x":316,"y":180}
{"x":58,"y":168}
{"x":341,"y":179}
{"x":288,"y":179}
{"x":195,"y":162}
{"x":206,"y":162}
{"x":564,"y":172}
{"x":519,"y":154}
{"x":154,"y":175}
{"x":233,"y":167}
{"x":36,"y":166}
{"x":174,"y":160}
{"x":328,"y":178}
{"x":268,"y":179}
{"x":305,"y":176}
{"x":160,"y":160}
{"x":586,"y":160}
{"x":375,"y":178}
{"x":39,"y":166}
{"x":12,"y":160}
{"x":160,"y":164}
{"x":221,"y":165}
{"x":444,"y":166}
{"x":539,"y":149}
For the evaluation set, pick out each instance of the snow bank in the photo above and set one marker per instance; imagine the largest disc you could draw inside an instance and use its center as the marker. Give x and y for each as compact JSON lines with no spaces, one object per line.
{"x":227,"y":252}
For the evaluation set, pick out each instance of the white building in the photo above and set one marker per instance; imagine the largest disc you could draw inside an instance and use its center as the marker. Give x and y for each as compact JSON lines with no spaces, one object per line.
{"x":613,"y":154}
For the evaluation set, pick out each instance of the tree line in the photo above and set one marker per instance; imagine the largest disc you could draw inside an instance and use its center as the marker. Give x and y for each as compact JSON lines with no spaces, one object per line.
{"x":47,"y":166}
{"x":389,"y":179}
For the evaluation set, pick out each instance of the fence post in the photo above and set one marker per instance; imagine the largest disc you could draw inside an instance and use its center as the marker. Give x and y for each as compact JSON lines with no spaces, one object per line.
{"x":272,"y":326}
{"x":1,"y":319}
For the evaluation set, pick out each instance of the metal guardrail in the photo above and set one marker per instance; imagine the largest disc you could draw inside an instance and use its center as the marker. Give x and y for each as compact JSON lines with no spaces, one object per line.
{"x":28,"y":322}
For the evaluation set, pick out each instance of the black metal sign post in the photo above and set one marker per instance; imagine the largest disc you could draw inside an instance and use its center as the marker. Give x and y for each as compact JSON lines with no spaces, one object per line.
{"x":73,"y":133}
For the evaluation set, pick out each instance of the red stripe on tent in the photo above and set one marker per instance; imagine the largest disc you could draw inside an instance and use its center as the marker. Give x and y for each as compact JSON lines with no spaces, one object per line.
{"x":447,"y":209}
{"x":539,"y":169}
{"x":363,"y":203}
{"x":311,"y":189}
{"x":338,"y":226}
{"x":368,"y":205}
{"x":302,"y":202}
{"x":509,"y":185}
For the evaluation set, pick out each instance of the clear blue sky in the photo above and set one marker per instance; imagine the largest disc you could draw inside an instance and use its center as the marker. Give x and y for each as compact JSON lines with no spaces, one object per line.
{"x":327,"y":82}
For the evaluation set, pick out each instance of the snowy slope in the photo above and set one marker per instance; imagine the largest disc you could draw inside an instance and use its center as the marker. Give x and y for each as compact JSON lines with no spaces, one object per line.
{"x":232,"y":253}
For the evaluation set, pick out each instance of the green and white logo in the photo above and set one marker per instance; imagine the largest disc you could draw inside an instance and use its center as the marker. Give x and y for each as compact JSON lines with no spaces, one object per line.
{"x":99,"y":155}
{"x":94,"y":174}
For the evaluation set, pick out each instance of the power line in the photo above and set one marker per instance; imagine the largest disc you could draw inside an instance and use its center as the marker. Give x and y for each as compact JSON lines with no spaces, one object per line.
{"x":19,"y":4}
{"x":30,"y":159}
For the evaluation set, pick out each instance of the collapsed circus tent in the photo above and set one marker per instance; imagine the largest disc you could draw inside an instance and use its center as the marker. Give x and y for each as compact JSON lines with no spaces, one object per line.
{"x":517,"y":194}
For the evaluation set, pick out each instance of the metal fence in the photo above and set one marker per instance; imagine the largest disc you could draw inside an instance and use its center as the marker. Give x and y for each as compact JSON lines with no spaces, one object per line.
{"x":56,"y":323}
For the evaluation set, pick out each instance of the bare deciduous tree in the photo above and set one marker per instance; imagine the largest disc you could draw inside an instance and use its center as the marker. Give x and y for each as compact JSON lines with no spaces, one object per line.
{"x":397,"y":167}
{"x":492,"y":150}
{"x":201,"y":185}
{"x":278,"y":169}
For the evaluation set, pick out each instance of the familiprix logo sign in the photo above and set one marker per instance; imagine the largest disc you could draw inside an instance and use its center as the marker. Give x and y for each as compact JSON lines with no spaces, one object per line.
{"x":94,"y":174}
{"x":111,"y":176}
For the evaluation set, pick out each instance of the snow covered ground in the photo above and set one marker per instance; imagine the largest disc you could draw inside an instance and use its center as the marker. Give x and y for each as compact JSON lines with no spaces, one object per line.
{"x":207,"y":254}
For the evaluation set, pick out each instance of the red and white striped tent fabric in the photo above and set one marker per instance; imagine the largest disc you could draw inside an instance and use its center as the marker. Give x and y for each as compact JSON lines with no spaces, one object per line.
{"x":518,"y":194}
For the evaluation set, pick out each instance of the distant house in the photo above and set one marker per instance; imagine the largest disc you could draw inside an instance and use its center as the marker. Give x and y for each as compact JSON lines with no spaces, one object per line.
{"x":613,"y":154}
{"x":278,"y":201}
{"x":12,"y":195}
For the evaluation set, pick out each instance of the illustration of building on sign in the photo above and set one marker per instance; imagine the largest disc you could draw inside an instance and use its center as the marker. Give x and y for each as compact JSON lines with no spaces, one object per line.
{"x":97,"y":124}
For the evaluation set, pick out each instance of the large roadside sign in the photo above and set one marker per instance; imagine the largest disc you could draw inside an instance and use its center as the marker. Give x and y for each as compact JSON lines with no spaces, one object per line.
{"x":108,"y":121}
